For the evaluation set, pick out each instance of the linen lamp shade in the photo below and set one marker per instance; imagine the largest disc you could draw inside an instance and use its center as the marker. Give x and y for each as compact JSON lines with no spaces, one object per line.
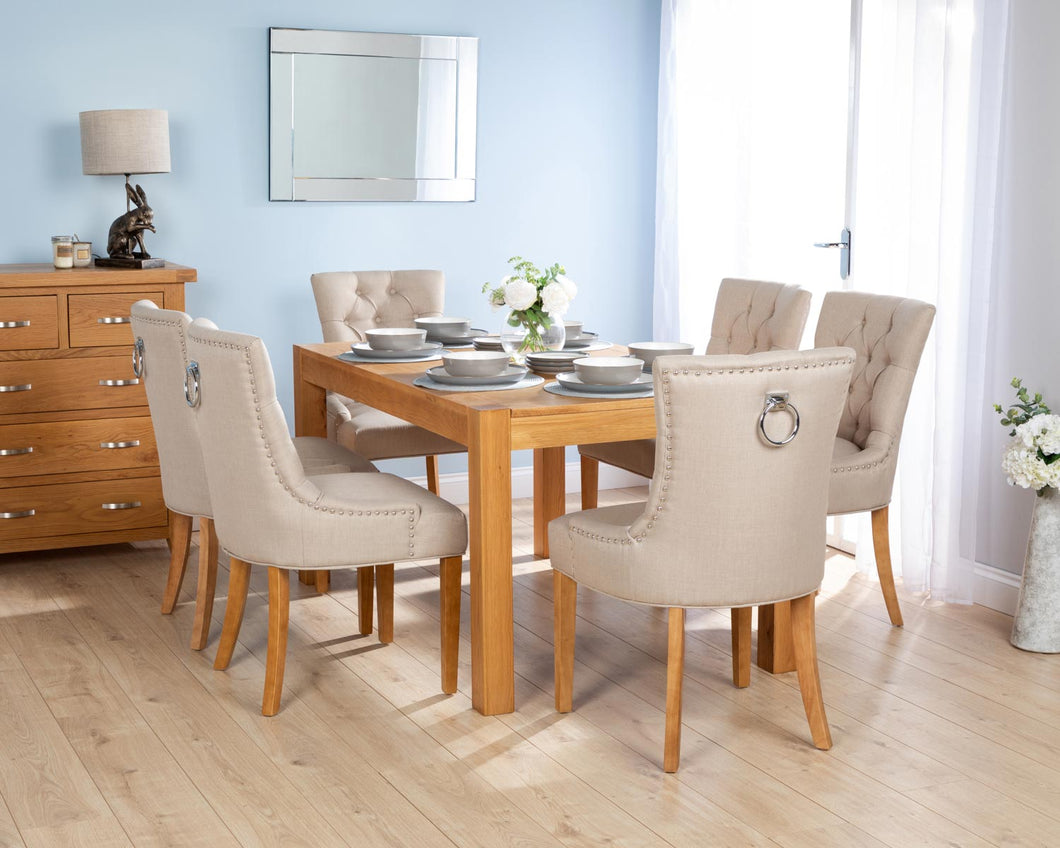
{"x":125,"y":141}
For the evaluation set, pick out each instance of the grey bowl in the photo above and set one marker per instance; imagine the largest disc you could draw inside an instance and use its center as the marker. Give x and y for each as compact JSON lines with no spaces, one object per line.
{"x":608,"y":370}
{"x":442,"y":326}
{"x":475,"y":363}
{"x":395,"y":338}
{"x":649,"y":350}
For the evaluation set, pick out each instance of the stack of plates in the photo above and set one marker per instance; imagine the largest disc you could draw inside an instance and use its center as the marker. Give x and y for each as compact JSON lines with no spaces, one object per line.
{"x":511,"y":374}
{"x":574,"y":383}
{"x":487,"y":342}
{"x":552,"y":361}
{"x":582,"y":340}
{"x":454,"y":339}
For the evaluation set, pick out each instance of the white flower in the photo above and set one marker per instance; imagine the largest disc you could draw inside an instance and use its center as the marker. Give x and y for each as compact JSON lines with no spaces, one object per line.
{"x":554,"y":299}
{"x":1042,"y":431}
{"x":568,"y":286}
{"x":520,"y":294}
{"x":1023,"y":467}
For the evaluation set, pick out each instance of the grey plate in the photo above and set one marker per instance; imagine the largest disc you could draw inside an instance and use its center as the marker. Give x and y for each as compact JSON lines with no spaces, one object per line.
{"x":461,"y":338}
{"x":571,"y":381}
{"x":512,"y":374}
{"x":584,"y":340}
{"x":528,"y":382}
{"x":429,"y":350}
{"x":560,"y":389}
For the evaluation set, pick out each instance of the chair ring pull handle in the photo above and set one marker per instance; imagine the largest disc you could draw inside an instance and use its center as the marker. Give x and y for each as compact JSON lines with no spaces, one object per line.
{"x":191,"y":384}
{"x":138,"y":357}
{"x":778,"y":402}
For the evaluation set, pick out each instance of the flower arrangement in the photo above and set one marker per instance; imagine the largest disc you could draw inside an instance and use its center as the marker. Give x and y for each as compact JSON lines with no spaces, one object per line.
{"x":536,"y":298}
{"x":1031,"y":459}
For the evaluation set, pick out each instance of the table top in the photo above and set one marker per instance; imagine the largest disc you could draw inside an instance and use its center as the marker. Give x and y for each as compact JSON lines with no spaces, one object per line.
{"x":539,"y":418}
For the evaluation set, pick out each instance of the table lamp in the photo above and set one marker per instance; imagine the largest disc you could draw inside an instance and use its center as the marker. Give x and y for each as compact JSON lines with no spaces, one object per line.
{"x":127,"y":141}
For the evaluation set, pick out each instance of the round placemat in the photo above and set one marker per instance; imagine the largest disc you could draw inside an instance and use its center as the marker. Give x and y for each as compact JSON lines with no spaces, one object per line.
{"x":351,"y":356}
{"x":558,"y":389}
{"x":528,"y":382}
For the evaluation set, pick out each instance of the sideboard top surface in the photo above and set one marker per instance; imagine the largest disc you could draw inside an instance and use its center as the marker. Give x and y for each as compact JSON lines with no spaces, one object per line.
{"x":44,"y":274}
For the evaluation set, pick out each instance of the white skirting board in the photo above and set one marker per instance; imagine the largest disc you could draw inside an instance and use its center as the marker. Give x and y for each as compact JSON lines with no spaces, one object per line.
{"x":996,"y":588}
{"x":454,"y":487}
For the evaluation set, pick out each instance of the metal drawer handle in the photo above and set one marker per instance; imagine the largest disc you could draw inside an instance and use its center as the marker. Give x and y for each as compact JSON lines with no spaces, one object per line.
{"x":133,"y":382}
{"x":138,"y":357}
{"x":26,"y":513}
{"x":132,"y":443}
{"x":127,"y":505}
{"x":115,"y":319}
{"x":10,"y":325}
{"x":23,"y":388}
{"x":15,"y":451}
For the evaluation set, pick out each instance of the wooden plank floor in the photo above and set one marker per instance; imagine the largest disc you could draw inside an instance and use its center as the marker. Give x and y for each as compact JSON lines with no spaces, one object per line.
{"x":112,"y":732}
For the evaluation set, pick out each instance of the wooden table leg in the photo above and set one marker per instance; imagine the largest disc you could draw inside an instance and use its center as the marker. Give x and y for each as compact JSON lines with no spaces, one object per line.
{"x":776,"y":651}
{"x":492,"y":630}
{"x":310,"y":419}
{"x":550,"y":495}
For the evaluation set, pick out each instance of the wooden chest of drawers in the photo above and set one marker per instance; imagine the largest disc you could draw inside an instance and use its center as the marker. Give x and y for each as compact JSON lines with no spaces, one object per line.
{"x":78,"y":463}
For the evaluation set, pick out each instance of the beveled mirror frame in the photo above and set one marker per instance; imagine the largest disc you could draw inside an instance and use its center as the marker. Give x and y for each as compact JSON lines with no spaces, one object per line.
{"x":285,"y":44}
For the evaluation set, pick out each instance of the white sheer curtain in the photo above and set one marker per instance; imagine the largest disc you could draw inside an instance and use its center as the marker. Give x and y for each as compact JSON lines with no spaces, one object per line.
{"x":929,"y":118}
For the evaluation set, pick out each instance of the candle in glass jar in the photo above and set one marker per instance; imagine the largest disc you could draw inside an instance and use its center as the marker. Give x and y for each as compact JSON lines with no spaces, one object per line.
{"x":63,"y":251}
{"x":82,"y":254}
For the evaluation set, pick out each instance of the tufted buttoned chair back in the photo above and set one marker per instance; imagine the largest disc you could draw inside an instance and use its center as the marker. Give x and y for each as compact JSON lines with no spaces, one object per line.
{"x":350,"y":302}
{"x":888,"y":335}
{"x":751,"y":316}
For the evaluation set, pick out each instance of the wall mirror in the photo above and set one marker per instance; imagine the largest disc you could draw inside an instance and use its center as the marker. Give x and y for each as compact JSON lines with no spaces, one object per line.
{"x":371,"y":116}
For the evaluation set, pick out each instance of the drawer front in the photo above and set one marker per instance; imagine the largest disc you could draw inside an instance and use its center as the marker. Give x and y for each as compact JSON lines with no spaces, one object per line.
{"x":47,"y":385}
{"x":63,"y":446}
{"x":29,"y":323}
{"x":99,"y":320}
{"x":81,"y":508}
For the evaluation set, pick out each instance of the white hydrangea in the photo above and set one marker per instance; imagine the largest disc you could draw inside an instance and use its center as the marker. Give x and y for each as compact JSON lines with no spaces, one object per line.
{"x":554,"y":299}
{"x":1024,"y":468}
{"x":1042,"y":431}
{"x":520,"y":294}
{"x":568,"y":286}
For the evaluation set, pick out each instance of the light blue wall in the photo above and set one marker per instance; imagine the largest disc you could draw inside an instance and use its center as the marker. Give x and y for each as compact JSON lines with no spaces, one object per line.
{"x":566,"y":154}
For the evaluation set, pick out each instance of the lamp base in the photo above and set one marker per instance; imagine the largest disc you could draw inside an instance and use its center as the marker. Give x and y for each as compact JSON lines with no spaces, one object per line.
{"x":129,"y":262}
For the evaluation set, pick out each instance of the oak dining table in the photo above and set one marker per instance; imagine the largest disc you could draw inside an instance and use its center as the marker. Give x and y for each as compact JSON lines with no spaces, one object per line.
{"x":492,"y":424}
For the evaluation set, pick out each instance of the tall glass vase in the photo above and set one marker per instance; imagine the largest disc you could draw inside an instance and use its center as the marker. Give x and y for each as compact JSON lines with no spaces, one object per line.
{"x":1036,"y":626}
{"x":521,"y":335}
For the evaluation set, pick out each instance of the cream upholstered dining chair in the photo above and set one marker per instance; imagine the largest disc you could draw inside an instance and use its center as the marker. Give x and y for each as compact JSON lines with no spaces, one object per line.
{"x":888,"y":334}
{"x":159,"y":359}
{"x":735,"y":514}
{"x":749,"y":316}
{"x":269,"y":511}
{"x":350,"y":302}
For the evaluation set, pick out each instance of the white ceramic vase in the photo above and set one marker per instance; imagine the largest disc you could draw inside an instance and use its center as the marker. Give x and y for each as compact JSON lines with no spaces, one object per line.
{"x":1037,"y":623}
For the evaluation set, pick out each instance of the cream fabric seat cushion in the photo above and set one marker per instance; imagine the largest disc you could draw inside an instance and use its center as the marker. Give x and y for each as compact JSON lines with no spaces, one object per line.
{"x":379,"y":435}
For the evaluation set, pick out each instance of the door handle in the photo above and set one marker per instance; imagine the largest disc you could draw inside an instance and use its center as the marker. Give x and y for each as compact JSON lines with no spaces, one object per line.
{"x":844,"y":251}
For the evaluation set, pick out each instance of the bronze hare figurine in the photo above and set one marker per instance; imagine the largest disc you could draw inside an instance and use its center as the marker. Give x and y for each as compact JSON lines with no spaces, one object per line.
{"x":127,"y":231}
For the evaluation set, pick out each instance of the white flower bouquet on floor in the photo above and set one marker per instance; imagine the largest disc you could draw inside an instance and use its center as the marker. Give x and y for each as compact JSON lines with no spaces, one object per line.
{"x":1030,"y":460}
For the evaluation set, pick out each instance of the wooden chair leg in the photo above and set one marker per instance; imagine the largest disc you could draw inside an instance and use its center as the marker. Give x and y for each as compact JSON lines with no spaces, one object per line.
{"x":432,"y":474}
{"x":565,"y":608}
{"x":238,"y":582}
{"x":804,"y":637}
{"x":207,"y":585}
{"x":741,"y":647}
{"x":449,"y":577}
{"x":384,"y":597}
{"x":322,"y":580}
{"x":365,"y":583}
{"x":276,"y":650}
{"x":881,"y":544}
{"x":179,"y":540}
{"x":590,"y":482}
{"x":675,"y":669}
